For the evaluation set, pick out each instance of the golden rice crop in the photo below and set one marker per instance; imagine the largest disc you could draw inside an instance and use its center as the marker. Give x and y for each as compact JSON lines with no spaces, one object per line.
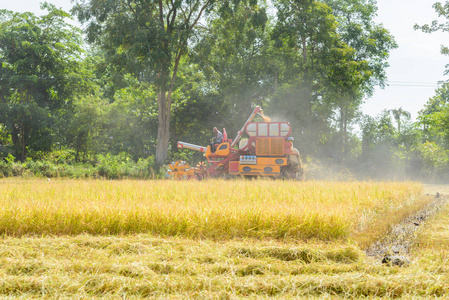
{"x":142,"y":266}
{"x":212,"y":208}
{"x":433,"y":239}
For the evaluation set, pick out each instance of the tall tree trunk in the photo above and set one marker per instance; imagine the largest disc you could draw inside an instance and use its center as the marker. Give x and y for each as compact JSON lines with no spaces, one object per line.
{"x":365,"y":145}
{"x":2,"y":98}
{"x":164,"y":105}
{"x":345,"y":132}
{"x":16,"y":140}
{"x":343,"y":127}
{"x":304,"y":49}
{"x":163,"y":128}
{"x":276,"y":81}
{"x":19,"y":135}
{"x":24,"y":144}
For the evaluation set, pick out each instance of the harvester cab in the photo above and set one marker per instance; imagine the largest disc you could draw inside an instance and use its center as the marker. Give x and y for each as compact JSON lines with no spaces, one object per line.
{"x":267,"y":151}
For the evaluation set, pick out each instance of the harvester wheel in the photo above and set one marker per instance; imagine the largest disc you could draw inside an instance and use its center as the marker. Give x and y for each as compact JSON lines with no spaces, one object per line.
{"x":179,"y":170}
{"x":300,"y":173}
{"x":293,"y":171}
{"x":201,"y":166}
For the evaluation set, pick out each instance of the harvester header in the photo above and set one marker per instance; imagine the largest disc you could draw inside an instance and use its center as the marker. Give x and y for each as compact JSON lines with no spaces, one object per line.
{"x":267,"y":151}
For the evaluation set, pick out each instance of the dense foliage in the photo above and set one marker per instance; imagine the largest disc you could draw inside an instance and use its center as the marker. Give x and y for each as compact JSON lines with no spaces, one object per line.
{"x":155,"y":72}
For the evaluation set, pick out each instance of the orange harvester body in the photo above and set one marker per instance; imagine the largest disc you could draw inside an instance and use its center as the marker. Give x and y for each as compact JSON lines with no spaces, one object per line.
{"x":267,"y":151}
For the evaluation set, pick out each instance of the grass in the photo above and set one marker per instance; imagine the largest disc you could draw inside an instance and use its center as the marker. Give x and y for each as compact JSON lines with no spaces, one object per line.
{"x":209,"y":209}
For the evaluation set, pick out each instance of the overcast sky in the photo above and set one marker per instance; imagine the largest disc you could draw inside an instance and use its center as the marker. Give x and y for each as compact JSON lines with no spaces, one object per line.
{"x":415,"y":67}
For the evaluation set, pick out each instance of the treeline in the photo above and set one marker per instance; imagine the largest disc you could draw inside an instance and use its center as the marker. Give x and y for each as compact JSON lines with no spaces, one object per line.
{"x":145,"y":74}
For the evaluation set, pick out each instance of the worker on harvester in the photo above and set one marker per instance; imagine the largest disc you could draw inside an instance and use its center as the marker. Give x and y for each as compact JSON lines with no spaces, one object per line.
{"x":217,"y":139}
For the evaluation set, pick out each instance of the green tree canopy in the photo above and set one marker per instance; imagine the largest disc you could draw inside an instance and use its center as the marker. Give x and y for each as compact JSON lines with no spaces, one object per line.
{"x":39,"y":57}
{"x":148,"y":39}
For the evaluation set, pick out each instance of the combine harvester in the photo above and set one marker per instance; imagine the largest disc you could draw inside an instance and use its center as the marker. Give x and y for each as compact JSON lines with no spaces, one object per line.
{"x":268,"y":151}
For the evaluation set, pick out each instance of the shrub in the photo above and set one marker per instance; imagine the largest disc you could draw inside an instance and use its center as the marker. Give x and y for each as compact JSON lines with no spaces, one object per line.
{"x":61,"y":164}
{"x":122,"y":166}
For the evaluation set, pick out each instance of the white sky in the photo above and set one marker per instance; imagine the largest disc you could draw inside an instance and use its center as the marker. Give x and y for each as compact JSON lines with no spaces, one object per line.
{"x":415,"y":67}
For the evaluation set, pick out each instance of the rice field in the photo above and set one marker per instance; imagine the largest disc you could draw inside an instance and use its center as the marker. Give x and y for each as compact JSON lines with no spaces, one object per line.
{"x":212,"y":240}
{"x":143,"y":266}
{"x":208,"y":209}
{"x":432,"y":246}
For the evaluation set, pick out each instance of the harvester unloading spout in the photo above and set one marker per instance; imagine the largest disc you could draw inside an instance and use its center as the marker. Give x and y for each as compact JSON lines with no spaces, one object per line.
{"x":182,"y":145}
{"x":258,"y":110}
{"x":268,"y":151}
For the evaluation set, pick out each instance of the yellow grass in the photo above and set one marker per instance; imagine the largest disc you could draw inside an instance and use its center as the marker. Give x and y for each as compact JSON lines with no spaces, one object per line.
{"x":213,"y":209}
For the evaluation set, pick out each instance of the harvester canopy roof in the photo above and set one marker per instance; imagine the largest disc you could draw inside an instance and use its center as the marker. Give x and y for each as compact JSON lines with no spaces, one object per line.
{"x":268,"y":129}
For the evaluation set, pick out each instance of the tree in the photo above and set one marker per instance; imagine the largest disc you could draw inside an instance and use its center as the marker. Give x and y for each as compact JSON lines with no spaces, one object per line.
{"x":303,"y":37}
{"x":148,"y":39}
{"x":231,"y":56}
{"x":39,"y":57}
{"x":397,"y":114}
{"x":434,"y":118}
{"x":346,"y":77}
{"x":442,"y":10}
{"x":133,"y":120}
{"x":307,"y":27}
{"x":371,"y":44}
{"x":377,"y":146}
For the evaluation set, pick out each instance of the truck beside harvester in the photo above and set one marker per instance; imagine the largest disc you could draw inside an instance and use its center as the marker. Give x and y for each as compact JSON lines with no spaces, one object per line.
{"x":267,"y":151}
